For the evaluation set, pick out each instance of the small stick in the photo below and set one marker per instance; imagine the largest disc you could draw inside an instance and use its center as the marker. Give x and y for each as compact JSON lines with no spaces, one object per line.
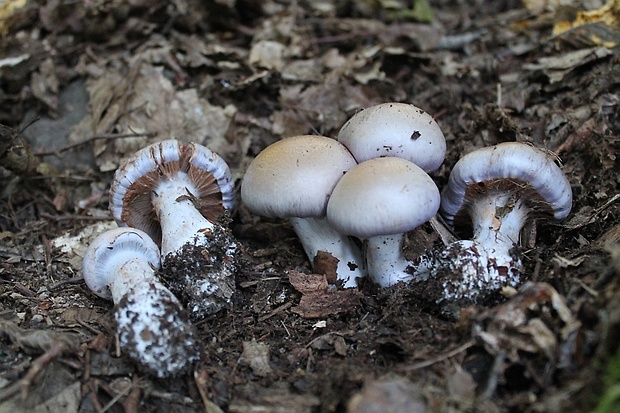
{"x":23,"y":385}
{"x":441,"y":357}
{"x":107,"y":136}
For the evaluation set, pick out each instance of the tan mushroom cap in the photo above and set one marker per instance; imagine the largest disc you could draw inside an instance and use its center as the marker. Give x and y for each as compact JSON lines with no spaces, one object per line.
{"x":295,"y":176}
{"x":382,"y":196}
{"x":395,"y":129}
{"x":206,"y":176}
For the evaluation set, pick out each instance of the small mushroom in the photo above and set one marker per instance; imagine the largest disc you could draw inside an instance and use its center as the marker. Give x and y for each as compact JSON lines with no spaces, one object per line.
{"x":293,"y":178}
{"x":180,"y":195}
{"x":494,"y":190}
{"x":378,"y":201}
{"x":152,"y":326}
{"x":395,"y":129}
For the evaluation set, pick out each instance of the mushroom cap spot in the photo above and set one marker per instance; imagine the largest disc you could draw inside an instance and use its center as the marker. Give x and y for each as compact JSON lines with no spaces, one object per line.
{"x":382,"y":196}
{"x":295,"y":176}
{"x":110,"y":250}
{"x":505,"y":161}
{"x":395,"y":129}
{"x":134,"y":181}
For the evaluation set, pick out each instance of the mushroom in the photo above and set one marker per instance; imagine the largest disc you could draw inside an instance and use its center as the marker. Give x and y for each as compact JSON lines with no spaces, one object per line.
{"x":152,"y":326}
{"x":495,"y":190}
{"x":293,"y":178}
{"x":395,"y":129}
{"x":379,"y":200}
{"x":180,"y":195}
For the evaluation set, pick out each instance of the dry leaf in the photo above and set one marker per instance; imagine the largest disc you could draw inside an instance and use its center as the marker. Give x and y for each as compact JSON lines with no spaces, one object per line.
{"x":307,"y":283}
{"x":321,"y":305}
{"x":257,"y":356}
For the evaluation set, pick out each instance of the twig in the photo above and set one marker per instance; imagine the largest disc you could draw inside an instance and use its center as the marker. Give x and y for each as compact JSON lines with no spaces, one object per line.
{"x":57,"y":285}
{"x":23,"y":385}
{"x":276,"y":311}
{"x":106,"y":136}
{"x":437,"y":359}
{"x":68,"y":217}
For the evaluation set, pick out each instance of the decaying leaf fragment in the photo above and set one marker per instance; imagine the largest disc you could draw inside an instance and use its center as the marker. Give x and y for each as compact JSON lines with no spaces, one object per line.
{"x":15,"y":153}
{"x":534,"y":329}
{"x":599,"y":27}
{"x":38,"y":341}
{"x":557,"y":67}
{"x":257,"y":356}
{"x":317,"y":300}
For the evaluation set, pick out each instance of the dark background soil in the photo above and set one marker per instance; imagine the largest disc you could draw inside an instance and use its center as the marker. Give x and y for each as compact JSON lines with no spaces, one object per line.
{"x":102,"y":79}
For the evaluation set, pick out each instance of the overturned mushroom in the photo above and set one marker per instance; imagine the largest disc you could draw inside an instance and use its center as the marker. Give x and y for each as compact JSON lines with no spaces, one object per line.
{"x":495,"y":190}
{"x":152,"y":326}
{"x":179,"y":195}
{"x":293,"y":178}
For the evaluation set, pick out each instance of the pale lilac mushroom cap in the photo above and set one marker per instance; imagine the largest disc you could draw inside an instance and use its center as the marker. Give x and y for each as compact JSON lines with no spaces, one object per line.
{"x":518,"y":165}
{"x":395,"y":129}
{"x":293,"y":179}
{"x":110,"y":251}
{"x":379,"y":200}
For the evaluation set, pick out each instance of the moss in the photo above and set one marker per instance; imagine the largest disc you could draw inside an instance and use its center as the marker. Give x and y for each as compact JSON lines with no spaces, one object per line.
{"x":609,"y":401}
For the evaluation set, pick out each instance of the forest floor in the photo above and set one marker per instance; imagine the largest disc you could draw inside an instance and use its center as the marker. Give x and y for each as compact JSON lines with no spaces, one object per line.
{"x":83,"y":85}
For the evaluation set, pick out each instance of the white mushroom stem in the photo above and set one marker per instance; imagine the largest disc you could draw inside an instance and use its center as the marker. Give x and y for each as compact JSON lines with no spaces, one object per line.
{"x":317,"y":234}
{"x":128,"y":272}
{"x":470,"y":269}
{"x":497,"y":220}
{"x":385,"y":260}
{"x":180,"y":221}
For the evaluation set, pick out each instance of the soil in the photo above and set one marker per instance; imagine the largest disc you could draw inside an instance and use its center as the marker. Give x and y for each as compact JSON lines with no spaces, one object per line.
{"x":83,"y":85}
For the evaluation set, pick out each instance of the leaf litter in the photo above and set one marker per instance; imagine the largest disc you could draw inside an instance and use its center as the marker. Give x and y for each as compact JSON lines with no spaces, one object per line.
{"x":103,"y":79}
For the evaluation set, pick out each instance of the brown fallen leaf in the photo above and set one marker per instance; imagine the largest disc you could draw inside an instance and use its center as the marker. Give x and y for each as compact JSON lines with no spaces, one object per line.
{"x":324,"y":304}
{"x":307,"y":283}
{"x":325,"y":263}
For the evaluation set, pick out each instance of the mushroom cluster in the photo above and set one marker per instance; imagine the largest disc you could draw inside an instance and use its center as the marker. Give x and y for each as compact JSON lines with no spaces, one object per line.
{"x":152,"y":326}
{"x":180,"y":196}
{"x":332,"y":190}
{"x":372,"y":184}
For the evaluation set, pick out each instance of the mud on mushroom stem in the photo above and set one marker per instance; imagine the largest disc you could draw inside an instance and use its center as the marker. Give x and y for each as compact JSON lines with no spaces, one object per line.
{"x":201,"y":274}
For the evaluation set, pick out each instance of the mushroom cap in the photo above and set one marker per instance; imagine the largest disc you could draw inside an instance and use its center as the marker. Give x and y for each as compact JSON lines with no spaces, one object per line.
{"x":110,"y":250}
{"x":382,"y":196}
{"x":395,"y":129}
{"x":134,"y":181}
{"x":294,"y":177}
{"x":518,"y":164}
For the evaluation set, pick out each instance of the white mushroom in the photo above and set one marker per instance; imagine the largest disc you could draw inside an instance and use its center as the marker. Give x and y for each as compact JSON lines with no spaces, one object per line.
{"x":495,"y":190}
{"x":152,"y":326}
{"x":395,"y":129}
{"x":378,"y":201}
{"x":293,"y":178}
{"x":179,"y":195}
